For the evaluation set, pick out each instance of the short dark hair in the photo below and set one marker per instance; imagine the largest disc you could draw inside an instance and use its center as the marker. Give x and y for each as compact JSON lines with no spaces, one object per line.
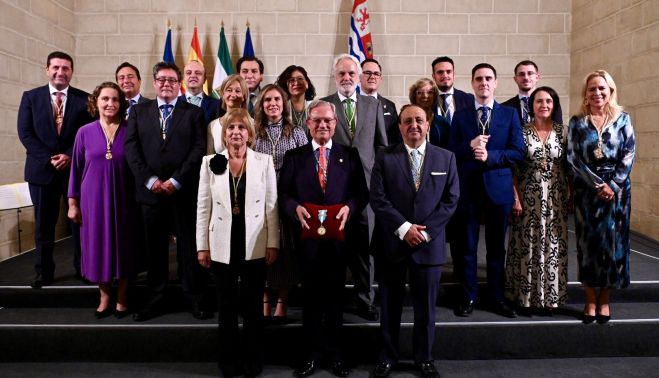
{"x":441,"y":59}
{"x":124,"y":65}
{"x":58,"y":55}
{"x":282,"y":81}
{"x":371,"y":60}
{"x":483,"y":65}
{"x":92,"y":108}
{"x":405,"y":107}
{"x":526,"y":63}
{"x":554,"y":97}
{"x":249,"y":59}
{"x":166,"y":65}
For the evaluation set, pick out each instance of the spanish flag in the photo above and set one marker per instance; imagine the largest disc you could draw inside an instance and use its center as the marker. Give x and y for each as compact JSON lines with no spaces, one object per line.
{"x":195,"y":54}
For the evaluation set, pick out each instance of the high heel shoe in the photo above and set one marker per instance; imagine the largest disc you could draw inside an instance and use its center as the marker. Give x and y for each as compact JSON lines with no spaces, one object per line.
{"x":103,"y":314}
{"x":587,"y":319}
{"x":603,"y":319}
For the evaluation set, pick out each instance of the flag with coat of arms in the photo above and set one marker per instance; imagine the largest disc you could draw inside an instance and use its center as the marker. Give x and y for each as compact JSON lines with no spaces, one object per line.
{"x":359,"y":40}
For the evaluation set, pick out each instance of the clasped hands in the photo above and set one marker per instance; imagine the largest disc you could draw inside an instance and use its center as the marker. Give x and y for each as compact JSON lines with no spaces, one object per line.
{"x":605,"y":192}
{"x":303,"y":215}
{"x":478,"y":147}
{"x":60,"y":161}
{"x":166,"y":187}
{"x":414,"y":237}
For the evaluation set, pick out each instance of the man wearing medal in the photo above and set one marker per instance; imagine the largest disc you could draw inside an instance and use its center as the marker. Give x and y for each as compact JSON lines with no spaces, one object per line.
{"x":487,"y":140}
{"x":48,"y":120}
{"x":165,"y":142}
{"x":321,"y":173}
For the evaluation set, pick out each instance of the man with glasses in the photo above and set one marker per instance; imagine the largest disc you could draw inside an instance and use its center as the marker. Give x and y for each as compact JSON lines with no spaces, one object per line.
{"x":165,"y":142}
{"x":360,"y":124}
{"x":371,"y":79}
{"x":527,"y":77}
{"x":322,"y":172}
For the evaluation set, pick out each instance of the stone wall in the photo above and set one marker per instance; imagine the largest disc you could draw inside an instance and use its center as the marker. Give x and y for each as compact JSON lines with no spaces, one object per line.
{"x":622,"y":37}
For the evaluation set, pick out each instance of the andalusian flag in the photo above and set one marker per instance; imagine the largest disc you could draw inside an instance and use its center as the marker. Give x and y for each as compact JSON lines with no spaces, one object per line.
{"x":223,"y":65}
{"x":196,"y":54}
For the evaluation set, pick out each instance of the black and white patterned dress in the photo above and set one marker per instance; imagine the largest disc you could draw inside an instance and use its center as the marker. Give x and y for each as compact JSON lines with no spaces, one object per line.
{"x":536,"y":263}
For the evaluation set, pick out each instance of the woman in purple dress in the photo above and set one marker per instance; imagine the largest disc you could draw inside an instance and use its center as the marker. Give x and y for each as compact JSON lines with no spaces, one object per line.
{"x":100,"y":199}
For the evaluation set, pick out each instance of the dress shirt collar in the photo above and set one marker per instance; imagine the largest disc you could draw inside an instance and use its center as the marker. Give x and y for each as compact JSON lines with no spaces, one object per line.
{"x":316,"y":146}
{"x":200,"y":96}
{"x":374,"y":94}
{"x":52,"y":90}
{"x":421,"y":149}
{"x":136,"y":98}
{"x":451,"y":91}
{"x":520,"y":96}
{"x":161,"y":102}
{"x":489,"y":104}
{"x":353,"y":96}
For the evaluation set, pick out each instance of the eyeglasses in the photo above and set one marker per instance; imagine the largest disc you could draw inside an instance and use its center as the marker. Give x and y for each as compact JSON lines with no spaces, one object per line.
{"x":372,"y":74}
{"x":294,"y":80}
{"x":318,"y":121}
{"x":162,"y":80}
{"x":427,"y":93}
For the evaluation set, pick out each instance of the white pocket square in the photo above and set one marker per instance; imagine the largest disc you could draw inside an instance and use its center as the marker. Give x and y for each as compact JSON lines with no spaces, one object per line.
{"x":437,"y":173}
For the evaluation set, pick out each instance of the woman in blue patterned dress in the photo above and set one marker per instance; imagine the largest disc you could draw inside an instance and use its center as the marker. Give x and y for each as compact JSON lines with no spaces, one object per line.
{"x":536,"y":265}
{"x":276,"y":134}
{"x":601,"y":148}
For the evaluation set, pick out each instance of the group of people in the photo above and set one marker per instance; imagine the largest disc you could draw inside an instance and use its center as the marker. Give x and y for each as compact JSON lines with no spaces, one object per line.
{"x":268,"y":188}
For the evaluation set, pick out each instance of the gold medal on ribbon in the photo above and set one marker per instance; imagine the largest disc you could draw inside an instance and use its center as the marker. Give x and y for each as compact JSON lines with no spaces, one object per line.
{"x":108,"y":155}
{"x":235,"y":209}
{"x":322,"y":216}
{"x":599,"y":154}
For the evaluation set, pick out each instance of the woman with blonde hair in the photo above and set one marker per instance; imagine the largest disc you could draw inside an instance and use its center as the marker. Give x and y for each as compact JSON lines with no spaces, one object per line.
{"x":601,"y":150}
{"x":425,"y":94}
{"x":234,"y":93}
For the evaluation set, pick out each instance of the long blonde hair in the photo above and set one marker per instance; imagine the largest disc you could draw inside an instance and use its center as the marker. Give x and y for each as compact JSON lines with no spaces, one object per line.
{"x":613,"y":110}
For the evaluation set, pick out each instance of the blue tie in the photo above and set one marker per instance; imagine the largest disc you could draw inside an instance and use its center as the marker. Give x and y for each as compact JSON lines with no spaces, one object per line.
{"x":166,"y":111}
{"x":485,"y":112}
{"x":445,"y":106}
{"x":525,"y":110}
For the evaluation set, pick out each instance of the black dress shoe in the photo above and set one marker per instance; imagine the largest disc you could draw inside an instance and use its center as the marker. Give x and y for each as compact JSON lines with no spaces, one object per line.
{"x":382,"y":369}
{"x":201,"y":314}
{"x":368,"y":312}
{"x":146,"y":314}
{"x":103,"y":314}
{"x":603,"y":319}
{"x":306,"y":369}
{"x":501,"y":308}
{"x":340,"y":369}
{"x":41,"y":281}
{"x":587,"y":319}
{"x":464,"y":309}
{"x":428,"y":370}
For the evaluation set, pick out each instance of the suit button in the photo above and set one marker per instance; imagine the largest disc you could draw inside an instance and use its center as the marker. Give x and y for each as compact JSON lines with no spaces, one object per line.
{"x":256,"y":216}
{"x":257,"y":201}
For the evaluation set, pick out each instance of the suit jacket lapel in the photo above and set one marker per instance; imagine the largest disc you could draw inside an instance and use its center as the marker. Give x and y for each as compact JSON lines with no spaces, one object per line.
{"x":404,"y":164}
{"x":360,"y":114}
{"x":252,"y":183}
{"x":341,"y":114}
{"x":225,"y":195}
{"x":334,"y":168}
{"x":308,"y":165}
{"x":426,"y":168}
{"x":46,"y":103}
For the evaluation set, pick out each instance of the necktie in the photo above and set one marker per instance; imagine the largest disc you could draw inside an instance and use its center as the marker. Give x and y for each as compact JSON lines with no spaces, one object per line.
{"x":250,"y":104}
{"x":166,"y":117}
{"x":322,"y":168}
{"x":485,"y":113}
{"x":525,"y":110}
{"x":416,"y":167}
{"x":445,"y":106}
{"x":58,"y":111}
{"x":130,"y":106}
{"x":194,"y":100}
{"x":350,"y":115}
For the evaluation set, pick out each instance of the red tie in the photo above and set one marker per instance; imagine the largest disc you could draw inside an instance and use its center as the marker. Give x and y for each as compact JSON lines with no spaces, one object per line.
{"x":322,"y":168}
{"x":58,"y":112}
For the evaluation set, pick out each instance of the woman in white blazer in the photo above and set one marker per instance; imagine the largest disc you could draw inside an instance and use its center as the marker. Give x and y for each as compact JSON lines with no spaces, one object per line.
{"x":237,"y":236}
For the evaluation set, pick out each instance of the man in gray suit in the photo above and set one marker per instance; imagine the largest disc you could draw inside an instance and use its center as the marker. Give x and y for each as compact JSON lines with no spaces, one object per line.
{"x":360,"y":125}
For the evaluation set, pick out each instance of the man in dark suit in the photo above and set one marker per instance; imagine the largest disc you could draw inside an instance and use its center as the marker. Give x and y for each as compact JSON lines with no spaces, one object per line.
{"x":130,"y":81}
{"x":370,"y":80}
{"x":450,"y":99}
{"x":194,"y":76}
{"x":251,"y":69}
{"x":48,"y":119}
{"x":360,"y":125}
{"x":165,"y":142}
{"x":487,"y":141}
{"x":527,"y":77}
{"x":414,"y":192}
{"x":322,"y":172}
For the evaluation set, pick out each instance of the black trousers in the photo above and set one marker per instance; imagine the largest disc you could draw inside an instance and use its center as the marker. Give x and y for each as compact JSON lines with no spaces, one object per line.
{"x":323,"y":283}
{"x":47,"y":202}
{"x":175,"y":214}
{"x":360,"y":260}
{"x":240,"y":289}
